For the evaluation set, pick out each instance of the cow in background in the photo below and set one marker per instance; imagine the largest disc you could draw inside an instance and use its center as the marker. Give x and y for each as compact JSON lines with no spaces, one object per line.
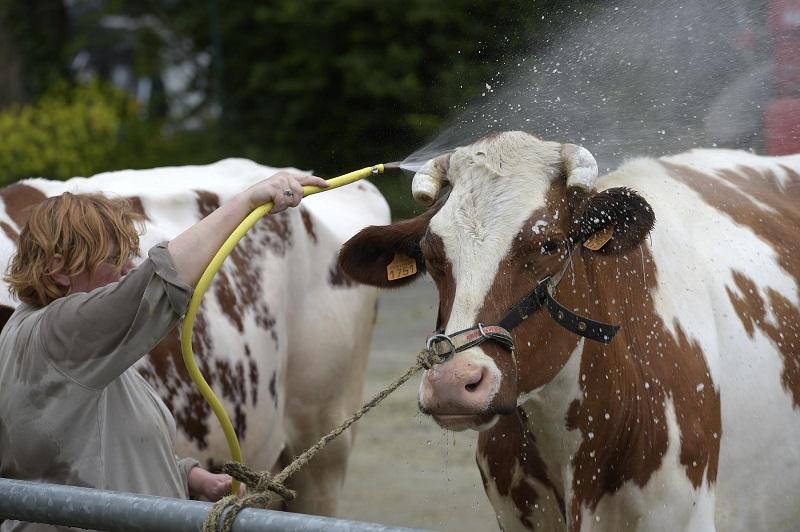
{"x":282,"y":335}
{"x":688,"y":416}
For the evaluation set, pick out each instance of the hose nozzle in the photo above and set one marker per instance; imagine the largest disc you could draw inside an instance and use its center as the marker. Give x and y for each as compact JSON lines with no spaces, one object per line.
{"x":392,"y":166}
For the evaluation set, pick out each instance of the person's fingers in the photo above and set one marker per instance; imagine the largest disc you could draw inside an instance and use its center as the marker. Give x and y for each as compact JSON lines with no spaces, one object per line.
{"x":291,"y":189}
{"x":220,"y":487}
{"x":283,"y":192}
{"x":297,"y":191}
{"x":312,"y":180}
{"x":285,"y":189}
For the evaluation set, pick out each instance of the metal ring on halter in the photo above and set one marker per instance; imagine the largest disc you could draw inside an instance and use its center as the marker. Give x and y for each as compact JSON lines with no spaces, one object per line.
{"x":440,"y":338}
{"x":480,"y":330}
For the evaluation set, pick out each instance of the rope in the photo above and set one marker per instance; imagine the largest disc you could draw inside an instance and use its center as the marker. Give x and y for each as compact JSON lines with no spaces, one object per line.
{"x":263,"y":487}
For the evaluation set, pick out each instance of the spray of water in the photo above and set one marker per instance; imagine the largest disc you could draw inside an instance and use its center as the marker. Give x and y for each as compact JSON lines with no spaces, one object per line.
{"x":628,"y":78}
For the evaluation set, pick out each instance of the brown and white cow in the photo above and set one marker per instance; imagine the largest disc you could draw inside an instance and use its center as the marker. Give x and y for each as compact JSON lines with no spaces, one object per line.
{"x":689,"y":417}
{"x":282,"y":335}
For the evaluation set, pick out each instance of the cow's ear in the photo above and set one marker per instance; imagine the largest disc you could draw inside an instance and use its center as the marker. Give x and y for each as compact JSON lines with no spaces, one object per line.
{"x":612,"y":221}
{"x":366,"y":257}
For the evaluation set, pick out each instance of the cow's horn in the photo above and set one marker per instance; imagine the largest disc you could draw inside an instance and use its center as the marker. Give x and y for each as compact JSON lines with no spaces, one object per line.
{"x":425,"y":188}
{"x":580,"y":166}
{"x":427,"y":183}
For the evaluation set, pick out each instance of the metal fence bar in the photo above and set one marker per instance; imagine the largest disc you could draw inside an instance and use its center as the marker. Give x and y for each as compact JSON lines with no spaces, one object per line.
{"x":115,"y":511}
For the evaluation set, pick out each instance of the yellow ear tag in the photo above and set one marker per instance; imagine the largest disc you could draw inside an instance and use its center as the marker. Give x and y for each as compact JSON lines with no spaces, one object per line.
{"x":599,"y":239}
{"x":401,"y":266}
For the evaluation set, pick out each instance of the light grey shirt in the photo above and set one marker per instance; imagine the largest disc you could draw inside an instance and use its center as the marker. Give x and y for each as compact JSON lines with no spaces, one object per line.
{"x":72,"y":409}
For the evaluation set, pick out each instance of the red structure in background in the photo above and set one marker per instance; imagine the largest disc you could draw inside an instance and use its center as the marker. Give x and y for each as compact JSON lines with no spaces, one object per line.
{"x":783,"y":113}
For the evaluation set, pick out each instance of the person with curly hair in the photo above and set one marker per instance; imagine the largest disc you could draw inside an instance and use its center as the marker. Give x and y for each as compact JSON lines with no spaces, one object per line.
{"x":72,"y":408}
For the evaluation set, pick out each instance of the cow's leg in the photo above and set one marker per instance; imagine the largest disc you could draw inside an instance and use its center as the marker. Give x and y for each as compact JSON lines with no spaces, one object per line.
{"x":515,"y":479}
{"x":318,"y":483}
{"x":636,"y":510}
{"x":324,"y":387}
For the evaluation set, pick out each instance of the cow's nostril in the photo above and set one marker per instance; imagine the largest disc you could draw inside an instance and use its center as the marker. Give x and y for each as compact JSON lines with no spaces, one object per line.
{"x":474,"y":385}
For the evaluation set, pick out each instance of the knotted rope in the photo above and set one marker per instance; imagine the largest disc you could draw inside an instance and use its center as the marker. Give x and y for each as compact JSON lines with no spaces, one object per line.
{"x":263,"y":488}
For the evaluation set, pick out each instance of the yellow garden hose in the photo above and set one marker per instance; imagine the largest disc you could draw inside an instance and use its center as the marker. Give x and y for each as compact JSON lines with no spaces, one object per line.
{"x":205,"y":281}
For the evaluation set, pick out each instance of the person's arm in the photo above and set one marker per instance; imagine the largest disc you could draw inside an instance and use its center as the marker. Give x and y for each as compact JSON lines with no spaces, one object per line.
{"x":193,"y":249}
{"x":94,"y":337}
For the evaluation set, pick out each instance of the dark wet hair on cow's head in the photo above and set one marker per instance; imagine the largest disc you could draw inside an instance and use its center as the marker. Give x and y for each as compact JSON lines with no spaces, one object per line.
{"x":624,"y":209}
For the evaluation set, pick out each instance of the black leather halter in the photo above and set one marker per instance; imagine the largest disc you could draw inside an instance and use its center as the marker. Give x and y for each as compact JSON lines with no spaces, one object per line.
{"x":541,"y":296}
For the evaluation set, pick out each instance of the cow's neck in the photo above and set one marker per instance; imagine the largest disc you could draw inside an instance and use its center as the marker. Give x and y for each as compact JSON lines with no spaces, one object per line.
{"x":546,"y":409}
{"x":568,"y":365}
{"x":619,"y":408}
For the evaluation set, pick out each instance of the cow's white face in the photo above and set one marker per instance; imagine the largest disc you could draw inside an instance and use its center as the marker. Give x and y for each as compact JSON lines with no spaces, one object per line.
{"x":494,"y":193}
{"x":508,"y":220}
{"x":497,"y":186}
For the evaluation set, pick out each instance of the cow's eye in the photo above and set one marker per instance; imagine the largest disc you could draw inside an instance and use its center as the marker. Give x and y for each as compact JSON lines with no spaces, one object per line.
{"x":550,"y":247}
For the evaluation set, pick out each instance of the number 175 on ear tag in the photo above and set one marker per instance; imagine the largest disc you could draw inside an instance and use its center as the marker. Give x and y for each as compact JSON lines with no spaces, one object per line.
{"x":401,"y":266}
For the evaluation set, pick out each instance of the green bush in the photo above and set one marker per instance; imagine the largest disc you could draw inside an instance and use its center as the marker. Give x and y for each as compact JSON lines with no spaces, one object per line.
{"x":70,"y":131}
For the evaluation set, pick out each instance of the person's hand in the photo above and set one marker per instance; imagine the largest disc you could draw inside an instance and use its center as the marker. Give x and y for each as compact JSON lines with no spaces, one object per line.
{"x":284,"y":190}
{"x":212,"y":486}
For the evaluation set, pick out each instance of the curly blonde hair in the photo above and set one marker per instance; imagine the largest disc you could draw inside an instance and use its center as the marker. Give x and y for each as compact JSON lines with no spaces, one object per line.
{"x":80,"y":228}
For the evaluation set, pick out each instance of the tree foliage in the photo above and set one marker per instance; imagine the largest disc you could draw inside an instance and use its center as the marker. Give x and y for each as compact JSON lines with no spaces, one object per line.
{"x":67,"y":132}
{"x":345,"y":82}
{"x":334,"y":85}
{"x":315,"y":84}
{"x":38,"y":30}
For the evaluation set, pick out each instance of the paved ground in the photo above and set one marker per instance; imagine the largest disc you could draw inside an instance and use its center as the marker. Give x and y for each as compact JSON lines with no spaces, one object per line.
{"x":405,"y":470}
